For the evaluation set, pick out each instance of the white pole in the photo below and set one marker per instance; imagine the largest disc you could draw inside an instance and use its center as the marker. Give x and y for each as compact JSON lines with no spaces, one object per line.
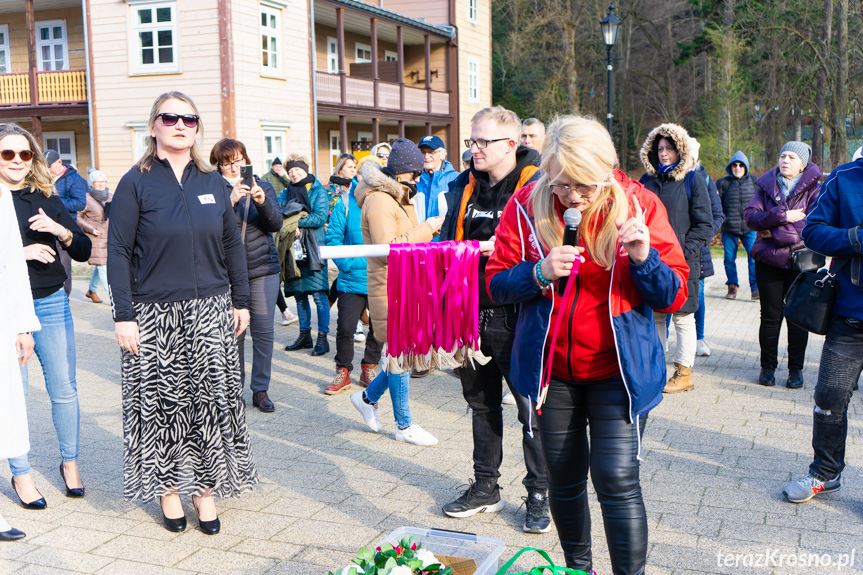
{"x":370,"y":251}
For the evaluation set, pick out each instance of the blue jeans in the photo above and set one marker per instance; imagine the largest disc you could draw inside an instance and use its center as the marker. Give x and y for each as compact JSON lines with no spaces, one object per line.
{"x":304,"y":310}
{"x":729,"y":246}
{"x":55,"y":348}
{"x":699,"y":313}
{"x":99,"y":279}
{"x":399,"y":386}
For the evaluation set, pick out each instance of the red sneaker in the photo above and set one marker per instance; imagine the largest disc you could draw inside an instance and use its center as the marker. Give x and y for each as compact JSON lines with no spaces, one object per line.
{"x":341,"y":383}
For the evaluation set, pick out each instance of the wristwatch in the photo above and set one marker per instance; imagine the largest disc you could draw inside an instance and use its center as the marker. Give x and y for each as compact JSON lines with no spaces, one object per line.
{"x":67,"y":238}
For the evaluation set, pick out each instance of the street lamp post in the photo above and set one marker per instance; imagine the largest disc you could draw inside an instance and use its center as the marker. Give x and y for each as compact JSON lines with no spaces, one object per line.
{"x":610,"y":25}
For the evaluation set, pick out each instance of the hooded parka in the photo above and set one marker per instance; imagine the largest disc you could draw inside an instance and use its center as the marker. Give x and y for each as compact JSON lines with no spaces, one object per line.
{"x":690,"y":217}
{"x":736,"y":193}
{"x":388,"y":217}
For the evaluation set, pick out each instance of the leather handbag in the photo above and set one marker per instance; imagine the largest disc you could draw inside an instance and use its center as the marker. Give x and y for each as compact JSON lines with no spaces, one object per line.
{"x":809,"y":300}
{"x":805,"y":260}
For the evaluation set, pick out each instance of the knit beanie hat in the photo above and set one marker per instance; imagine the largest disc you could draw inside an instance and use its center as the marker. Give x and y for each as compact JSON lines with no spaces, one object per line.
{"x":96,"y":176}
{"x":297,"y":164}
{"x":803,"y":151}
{"x":51,"y":156}
{"x":405,"y":157}
{"x":276,"y":161}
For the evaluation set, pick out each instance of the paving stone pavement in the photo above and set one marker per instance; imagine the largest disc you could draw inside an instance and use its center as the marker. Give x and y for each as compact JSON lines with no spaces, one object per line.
{"x":715,"y":460}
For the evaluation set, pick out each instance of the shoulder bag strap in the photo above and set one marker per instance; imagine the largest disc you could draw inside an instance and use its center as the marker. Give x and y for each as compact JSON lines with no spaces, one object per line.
{"x":246,"y":218}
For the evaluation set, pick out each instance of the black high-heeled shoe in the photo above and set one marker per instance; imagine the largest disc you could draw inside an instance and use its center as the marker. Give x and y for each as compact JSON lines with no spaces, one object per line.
{"x":12,"y":535}
{"x":38,"y":504}
{"x":173,"y":525}
{"x":209,"y":527}
{"x":70,"y":491}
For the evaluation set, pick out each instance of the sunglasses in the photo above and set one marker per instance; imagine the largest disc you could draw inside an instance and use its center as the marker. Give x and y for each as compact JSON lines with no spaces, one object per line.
{"x":189,"y":120}
{"x":9,"y":155}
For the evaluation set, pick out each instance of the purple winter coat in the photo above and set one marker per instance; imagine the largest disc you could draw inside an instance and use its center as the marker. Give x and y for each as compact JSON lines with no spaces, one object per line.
{"x":777,"y":238}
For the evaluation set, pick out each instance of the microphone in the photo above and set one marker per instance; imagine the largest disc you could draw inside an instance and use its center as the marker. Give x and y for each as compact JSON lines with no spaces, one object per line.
{"x":571,"y":220}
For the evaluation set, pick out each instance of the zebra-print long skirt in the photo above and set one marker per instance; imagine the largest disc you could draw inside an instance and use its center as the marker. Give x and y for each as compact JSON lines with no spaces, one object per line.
{"x":184,"y":421}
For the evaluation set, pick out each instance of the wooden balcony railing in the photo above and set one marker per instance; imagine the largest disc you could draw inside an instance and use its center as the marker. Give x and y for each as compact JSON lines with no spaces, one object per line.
{"x":360,"y":92}
{"x":53,"y":88}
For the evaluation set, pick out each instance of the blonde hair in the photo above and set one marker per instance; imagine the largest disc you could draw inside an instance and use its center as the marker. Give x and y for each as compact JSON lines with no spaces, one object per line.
{"x":504,"y":118}
{"x":586,"y":154}
{"x":38,"y":178}
{"x":150,"y":153}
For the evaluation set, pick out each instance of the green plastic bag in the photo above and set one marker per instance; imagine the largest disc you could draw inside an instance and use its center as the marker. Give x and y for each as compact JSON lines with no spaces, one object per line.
{"x":550,"y":568}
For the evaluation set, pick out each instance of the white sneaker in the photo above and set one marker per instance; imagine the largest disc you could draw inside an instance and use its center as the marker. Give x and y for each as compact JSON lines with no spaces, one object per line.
{"x":288,"y":317}
{"x":414,"y":434}
{"x":359,"y":335}
{"x":508,"y":399}
{"x":701,"y":348}
{"x":368,"y":411}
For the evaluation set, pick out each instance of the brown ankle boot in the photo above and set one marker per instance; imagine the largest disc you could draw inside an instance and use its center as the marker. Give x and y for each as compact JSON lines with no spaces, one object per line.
{"x":680,"y":381}
{"x":732,"y":291}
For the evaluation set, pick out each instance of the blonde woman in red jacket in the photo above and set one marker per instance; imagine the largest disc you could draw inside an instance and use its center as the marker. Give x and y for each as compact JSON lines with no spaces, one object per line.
{"x":607,"y":367}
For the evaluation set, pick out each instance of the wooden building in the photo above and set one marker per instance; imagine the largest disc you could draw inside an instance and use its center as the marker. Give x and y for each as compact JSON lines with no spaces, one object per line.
{"x":316,"y":77}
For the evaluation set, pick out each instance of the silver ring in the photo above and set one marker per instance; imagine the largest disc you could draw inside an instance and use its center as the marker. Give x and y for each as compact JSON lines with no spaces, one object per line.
{"x":641,"y":229}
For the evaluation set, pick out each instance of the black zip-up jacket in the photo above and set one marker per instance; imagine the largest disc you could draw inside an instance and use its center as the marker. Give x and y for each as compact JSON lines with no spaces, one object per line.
{"x":45,"y":279}
{"x":171,"y":241}
{"x":490,"y":201}
{"x":263,"y":221}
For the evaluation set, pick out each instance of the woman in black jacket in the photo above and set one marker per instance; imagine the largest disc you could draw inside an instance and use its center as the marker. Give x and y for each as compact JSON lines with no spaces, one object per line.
{"x":46,"y":229}
{"x":669,"y":164}
{"x":258,"y":217}
{"x":180,"y":294}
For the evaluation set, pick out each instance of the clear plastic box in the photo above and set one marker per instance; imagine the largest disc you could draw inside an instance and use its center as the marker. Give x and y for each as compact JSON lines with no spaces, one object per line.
{"x":484,"y":550}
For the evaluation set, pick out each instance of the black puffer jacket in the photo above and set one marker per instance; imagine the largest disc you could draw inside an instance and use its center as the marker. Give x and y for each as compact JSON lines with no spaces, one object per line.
{"x":736,"y":195}
{"x":263,"y":221}
{"x":690,"y":218}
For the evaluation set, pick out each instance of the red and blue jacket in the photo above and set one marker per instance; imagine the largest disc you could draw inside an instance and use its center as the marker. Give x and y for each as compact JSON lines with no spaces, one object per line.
{"x":658,"y":283}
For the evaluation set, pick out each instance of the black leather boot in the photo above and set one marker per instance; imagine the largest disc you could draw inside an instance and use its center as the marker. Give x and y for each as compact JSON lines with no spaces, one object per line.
{"x":303,"y":342}
{"x":322,"y":346}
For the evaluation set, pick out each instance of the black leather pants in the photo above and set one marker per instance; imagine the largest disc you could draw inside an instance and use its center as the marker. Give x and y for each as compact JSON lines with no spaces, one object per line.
{"x":610,"y":455}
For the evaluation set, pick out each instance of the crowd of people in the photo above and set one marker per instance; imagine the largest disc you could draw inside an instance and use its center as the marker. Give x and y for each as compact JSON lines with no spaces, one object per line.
{"x":195,"y":255}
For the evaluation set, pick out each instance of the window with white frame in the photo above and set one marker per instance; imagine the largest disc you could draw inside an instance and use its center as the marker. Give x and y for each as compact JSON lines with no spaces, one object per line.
{"x":332,"y":55}
{"x":363,"y":53}
{"x":270,"y":39}
{"x":154,"y":37}
{"x":335,"y":147}
{"x":52,"y":48}
{"x":140,"y":135}
{"x":390,"y":56}
{"x":274,"y":144}
{"x":473,"y":80}
{"x":5,"y":62}
{"x":473,"y":11}
{"x":63,"y":143}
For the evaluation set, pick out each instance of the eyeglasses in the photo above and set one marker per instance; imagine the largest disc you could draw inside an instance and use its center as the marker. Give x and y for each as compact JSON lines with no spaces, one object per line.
{"x":189,"y":120}
{"x":582,"y":190}
{"x":232,"y":164}
{"x":9,"y":155}
{"x":482,"y":144}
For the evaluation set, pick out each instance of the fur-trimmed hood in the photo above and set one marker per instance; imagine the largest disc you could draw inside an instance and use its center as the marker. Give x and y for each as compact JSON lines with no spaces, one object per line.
{"x":680,"y":136}
{"x":375,"y":180}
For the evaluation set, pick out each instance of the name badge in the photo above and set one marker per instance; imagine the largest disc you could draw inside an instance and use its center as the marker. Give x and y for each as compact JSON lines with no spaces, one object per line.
{"x":207,"y":199}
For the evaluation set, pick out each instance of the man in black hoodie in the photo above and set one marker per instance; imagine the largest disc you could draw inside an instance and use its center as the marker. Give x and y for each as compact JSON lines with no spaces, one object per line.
{"x":476,"y":199}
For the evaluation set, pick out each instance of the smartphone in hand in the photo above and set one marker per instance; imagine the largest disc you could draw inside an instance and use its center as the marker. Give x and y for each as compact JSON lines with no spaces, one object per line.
{"x":248,"y":178}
